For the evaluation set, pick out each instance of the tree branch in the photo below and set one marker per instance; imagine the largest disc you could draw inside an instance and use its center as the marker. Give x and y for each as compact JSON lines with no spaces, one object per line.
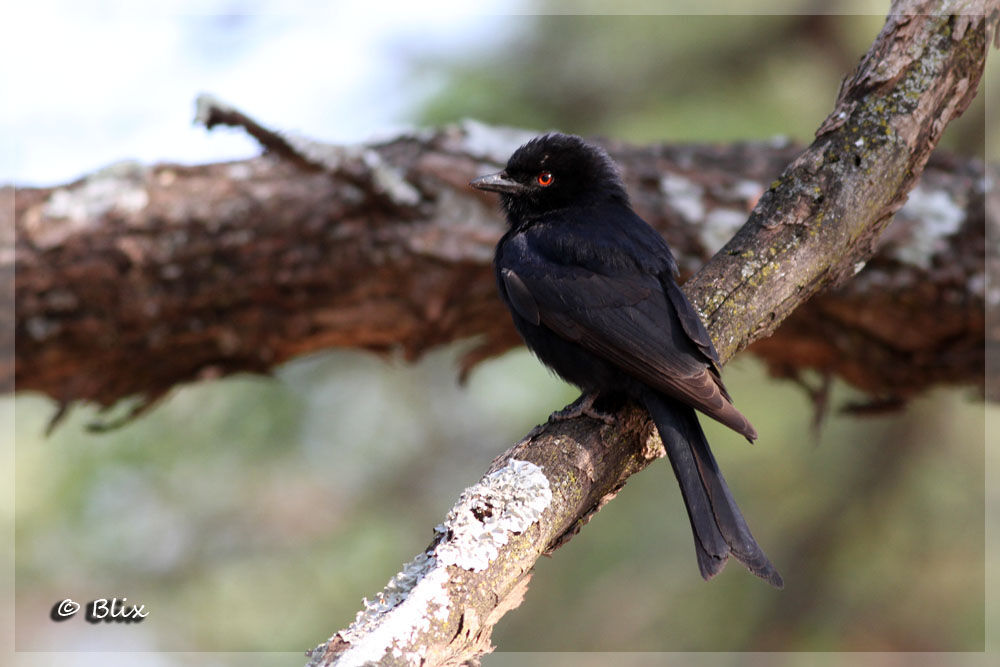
{"x":178,"y":273}
{"x":811,"y":228}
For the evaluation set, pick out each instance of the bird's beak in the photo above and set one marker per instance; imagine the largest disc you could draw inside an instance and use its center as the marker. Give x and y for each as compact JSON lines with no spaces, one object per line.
{"x":498,"y":182}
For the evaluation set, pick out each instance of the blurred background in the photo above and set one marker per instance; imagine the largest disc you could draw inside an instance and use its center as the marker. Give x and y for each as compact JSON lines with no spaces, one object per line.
{"x":253,"y":514}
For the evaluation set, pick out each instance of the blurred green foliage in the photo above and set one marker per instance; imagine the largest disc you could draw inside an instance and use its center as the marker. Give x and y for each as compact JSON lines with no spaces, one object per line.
{"x":592,"y":75}
{"x":666,"y":77}
{"x":253,"y":514}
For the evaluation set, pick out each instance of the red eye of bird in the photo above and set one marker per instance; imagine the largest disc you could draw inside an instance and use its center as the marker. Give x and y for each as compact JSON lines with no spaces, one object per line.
{"x":545,"y":179}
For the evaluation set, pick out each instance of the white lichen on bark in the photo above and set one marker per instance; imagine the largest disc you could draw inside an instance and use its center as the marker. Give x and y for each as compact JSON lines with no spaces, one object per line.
{"x":73,"y":209}
{"x":503,"y":503}
{"x":936,"y":216}
{"x":493,"y":143}
{"x":393,"y":622}
{"x":684,"y":195}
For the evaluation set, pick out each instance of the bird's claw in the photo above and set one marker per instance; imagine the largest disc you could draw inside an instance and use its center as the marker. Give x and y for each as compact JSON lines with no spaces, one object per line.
{"x":583,"y":406}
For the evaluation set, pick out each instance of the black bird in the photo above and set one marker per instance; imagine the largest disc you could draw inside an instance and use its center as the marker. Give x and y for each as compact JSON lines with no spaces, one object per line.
{"x":591,"y":288}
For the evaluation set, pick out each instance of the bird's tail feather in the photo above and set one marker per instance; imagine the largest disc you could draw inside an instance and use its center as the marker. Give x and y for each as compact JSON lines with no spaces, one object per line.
{"x":719,"y":527}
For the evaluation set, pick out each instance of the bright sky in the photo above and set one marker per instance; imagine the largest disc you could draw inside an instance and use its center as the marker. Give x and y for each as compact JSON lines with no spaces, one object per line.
{"x":85,"y":83}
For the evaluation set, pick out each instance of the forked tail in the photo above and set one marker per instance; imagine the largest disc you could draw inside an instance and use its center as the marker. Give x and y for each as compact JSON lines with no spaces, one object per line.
{"x":719,"y":527}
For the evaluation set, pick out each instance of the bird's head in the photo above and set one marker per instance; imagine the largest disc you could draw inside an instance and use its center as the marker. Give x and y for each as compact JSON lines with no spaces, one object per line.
{"x":551,"y":172}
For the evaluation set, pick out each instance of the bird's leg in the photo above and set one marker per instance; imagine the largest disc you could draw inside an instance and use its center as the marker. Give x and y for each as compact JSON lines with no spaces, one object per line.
{"x":583,"y":406}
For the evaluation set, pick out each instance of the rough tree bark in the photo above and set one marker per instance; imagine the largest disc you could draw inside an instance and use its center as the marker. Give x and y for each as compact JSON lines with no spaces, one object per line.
{"x":135,"y":279}
{"x":814,"y":227}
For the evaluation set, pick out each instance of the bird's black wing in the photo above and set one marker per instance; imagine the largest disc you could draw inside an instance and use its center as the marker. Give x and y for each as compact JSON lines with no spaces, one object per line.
{"x":691,"y":321}
{"x":624,"y":316}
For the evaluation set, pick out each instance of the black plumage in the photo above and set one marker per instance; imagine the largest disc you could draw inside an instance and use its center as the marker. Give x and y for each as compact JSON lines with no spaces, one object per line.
{"x":591,"y":289}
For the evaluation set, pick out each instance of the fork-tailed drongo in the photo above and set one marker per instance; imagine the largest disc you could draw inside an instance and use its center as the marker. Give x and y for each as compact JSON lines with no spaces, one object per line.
{"x":591,"y":289}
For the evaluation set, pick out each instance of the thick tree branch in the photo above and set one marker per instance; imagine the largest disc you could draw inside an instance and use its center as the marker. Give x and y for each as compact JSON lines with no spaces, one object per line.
{"x":812,"y":227}
{"x":176,"y":273}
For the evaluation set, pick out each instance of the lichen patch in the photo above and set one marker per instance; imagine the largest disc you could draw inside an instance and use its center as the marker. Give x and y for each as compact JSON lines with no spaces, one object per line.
{"x":419,"y":588}
{"x":493,"y":143}
{"x":936,"y":216}
{"x":503,"y":503}
{"x":684,"y":195}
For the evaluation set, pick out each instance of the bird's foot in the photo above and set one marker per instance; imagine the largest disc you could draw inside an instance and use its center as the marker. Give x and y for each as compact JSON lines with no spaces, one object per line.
{"x":583,"y":406}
